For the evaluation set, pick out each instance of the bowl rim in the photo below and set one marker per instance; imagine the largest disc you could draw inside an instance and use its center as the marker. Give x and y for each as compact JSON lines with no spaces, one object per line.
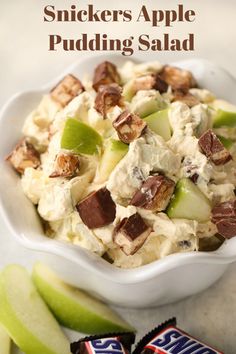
{"x":82,"y":257}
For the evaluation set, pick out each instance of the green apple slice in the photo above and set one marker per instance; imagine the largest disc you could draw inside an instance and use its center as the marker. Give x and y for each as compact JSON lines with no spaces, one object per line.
{"x":74,"y":308}
{"x":224,"y":119}
{"x":227,"y":142}
{"x":189,"y":202}
{"x":5,"y":342}
{"x":128,"y":90}
{"x":114,"y":151}
{"x":159,"y":123}
{"x":26,"y":317}
{"x":80,"y":138}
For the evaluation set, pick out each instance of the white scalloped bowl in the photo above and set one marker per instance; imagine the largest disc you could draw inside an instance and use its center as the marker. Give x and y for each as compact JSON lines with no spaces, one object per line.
{"x":161,"y":282}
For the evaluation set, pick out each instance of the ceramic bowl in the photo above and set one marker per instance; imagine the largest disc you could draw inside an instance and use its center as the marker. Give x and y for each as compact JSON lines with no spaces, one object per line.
{"x":161,"y":282}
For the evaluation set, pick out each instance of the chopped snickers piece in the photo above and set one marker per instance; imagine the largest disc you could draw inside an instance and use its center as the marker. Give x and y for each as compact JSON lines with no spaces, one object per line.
{"x":24,"y":155}
{"x":97,"y":209}
{"x":213,"y":148}
{"x":105,"y":74}
{"x":129,"y":126}
{"x":66,"y":165}
{"x":224,"y":217}
{"x":185,"y":97}
{"x":131,"y":233}
{"x":108,"y":96}
{"x":155,"y":193}
{"x":67,"y":89}
{"x":194,"y":177}
{"x":177,"y":78}
{"x":224,"y":210}
{"x":150,"y":81}
{"x":227,"y":227}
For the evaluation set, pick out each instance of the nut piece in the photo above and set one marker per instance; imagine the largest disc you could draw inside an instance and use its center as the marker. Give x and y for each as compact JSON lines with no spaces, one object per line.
{"x":24,"y":155}
{"x":105,"y":73}
{"x":129,"y":126}
{"x":213,"y":148}
{"x":150,"y":81}
{"x":154,"y":194}
{"x":97,"y":209}
{"x":66,"y":165}
{"x":185,"y":97}
{"x":224,"y":217}
{"x":178,"y":78}
{"x":67,"y":89}
{"x":131,"y":233}
{"x":108,"y":96}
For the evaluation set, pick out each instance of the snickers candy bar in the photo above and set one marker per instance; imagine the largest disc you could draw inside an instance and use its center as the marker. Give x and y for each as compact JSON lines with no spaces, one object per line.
{"x":118,"y":343}
{"x":167,"y":338}
{"x":66,"y":165}
{"x":212,"y":147}
{"x":67,"y":89}
{"x":155,"y":193}
{"x":24,"y":155}
{"x":97,"y":209}
{"x":185,"y":97}
{"x":149,"y":82}
{"x":108,"y":96}
{"x":224,"y":217}
{"x":131,"y":233}
{"x":129,"y":126}
{"x":177,"y":78}
{"x":106,"y":73}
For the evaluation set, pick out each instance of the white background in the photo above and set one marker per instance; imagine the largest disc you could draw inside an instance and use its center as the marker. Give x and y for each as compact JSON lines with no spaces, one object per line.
{"x":26,"y":63}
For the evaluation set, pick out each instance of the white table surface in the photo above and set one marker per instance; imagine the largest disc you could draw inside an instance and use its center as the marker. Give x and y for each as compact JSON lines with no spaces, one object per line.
{"x":26,"y":63}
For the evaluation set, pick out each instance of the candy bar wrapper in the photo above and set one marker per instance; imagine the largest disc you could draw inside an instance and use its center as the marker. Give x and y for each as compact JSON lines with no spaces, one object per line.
{"x":112,"y":343}
{"x":168,"y":339}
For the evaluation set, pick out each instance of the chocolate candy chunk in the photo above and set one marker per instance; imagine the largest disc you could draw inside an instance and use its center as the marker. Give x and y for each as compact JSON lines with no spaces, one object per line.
{"x":66,"y":165}
{"x":105,"y":73}
{"x":224,"y":210}
{"x":129,"y":126}
{"x":97,"y":209}
{"x":150,"y":81}
{"x":213,"y":148}
{"x":154,"y":194}
{"x":24,"y":155}
{"x":108,"y":96}
{"x":224,"y":216}
{"x":177,"y":78}
{"x":168,"y":338}
{"x":131,"y":233}
{"x":185,"y":97}
{"x":118,"y":343}
{"x":67,"y":89}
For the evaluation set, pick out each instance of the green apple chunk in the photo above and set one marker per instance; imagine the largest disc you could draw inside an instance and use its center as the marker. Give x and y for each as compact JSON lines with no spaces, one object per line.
{"x":114,"y":151}
{"x":189,"y":202}
{"x":128,"y":90}
{"x":73,"y":308}
{"x":80,"y":138}
{"x":224,"y":119}
{"x":159,"y":123}
{"x":227,"y":142}
{"x":26,"y":317}
{"x":5,"y":342}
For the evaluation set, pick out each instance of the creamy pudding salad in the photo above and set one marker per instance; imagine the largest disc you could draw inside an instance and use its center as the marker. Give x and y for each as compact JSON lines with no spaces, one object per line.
{"x":134,"y":165}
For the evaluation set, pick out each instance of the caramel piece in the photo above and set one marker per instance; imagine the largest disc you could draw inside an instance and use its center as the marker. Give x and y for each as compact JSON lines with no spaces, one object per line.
{"x":212,"y":147}
{"x":24,"y":155}
{"x":131,"y":233}
{"x":129,"y":126}
{"x":66,"y":165}
{"x":97,"y":209}
{"x":67,"y":89}
{"x":105,"y":73}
